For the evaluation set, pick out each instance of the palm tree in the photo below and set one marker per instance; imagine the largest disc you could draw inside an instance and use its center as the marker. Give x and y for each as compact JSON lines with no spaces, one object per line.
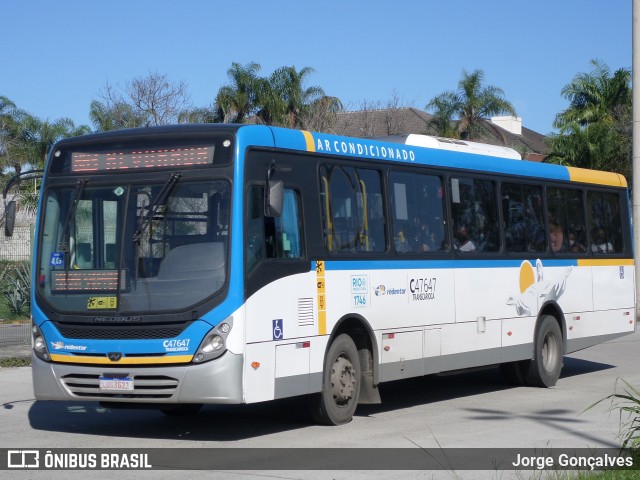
{"x":213,"y":114}
{"x":596,"y":97}
{"x":472,"y":103}
{"x":44,"y":134}
{"x":25,"y":142}
{"x":284,"y":99}
{"x":15,"y":135}
{"x":115,"y":116}
{"x":593,"y":132}
{"x":444,"y":110}
{"x":238,"y":99}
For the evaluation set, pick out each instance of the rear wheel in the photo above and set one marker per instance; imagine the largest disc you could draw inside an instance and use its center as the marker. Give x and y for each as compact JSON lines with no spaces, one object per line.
{"x":337,"y":402}
{"x":544,"y":370}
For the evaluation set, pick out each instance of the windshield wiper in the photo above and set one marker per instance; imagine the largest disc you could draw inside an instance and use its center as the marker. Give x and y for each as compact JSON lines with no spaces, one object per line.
{"x":154,"y":206}
{"x":63,"y":246}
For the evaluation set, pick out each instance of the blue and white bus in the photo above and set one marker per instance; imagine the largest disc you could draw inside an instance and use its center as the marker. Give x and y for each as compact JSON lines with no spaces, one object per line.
{"x":188,"y":265}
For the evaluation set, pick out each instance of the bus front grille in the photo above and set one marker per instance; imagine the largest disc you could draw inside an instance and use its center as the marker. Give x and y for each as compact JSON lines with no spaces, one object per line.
{"x":120,"y":332}
{"x":145,"y":387}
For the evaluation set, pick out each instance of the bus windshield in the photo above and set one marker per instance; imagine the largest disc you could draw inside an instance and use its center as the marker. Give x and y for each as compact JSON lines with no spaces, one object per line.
{"x":130,"y":247}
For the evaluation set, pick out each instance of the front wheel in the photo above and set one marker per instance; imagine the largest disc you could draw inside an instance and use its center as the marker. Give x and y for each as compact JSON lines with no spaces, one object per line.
{"x":337,"y":402}
{"x":544,"y":369}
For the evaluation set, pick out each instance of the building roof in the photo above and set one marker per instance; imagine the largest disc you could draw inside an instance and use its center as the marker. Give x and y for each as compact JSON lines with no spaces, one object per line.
{"x":404,"y":121}
{"x":383,"y":122}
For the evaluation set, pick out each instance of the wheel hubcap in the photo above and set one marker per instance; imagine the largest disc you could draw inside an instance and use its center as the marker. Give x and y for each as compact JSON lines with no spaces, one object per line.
{"x":549,"y":351}
{"x":343,"y":380}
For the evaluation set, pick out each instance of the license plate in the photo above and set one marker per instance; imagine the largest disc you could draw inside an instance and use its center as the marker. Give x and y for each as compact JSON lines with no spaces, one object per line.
{"x":116,"y":384}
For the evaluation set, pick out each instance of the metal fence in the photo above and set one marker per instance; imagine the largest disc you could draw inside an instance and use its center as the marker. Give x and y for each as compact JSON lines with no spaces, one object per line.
{"x":15,"y":333}
{"x":17,"y":247}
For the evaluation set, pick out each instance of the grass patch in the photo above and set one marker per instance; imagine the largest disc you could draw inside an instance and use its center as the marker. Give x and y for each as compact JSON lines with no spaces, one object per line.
{"x":609,"y":475}
{"x":6,"y":315}
{"x":14,"y":362}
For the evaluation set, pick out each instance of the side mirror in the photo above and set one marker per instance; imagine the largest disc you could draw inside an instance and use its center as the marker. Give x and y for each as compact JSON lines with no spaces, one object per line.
{"x":9,"y":218}
{"x":274,"y":199}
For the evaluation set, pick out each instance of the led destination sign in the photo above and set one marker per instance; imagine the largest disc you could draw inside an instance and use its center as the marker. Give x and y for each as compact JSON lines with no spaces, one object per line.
{"x":141,"y":159}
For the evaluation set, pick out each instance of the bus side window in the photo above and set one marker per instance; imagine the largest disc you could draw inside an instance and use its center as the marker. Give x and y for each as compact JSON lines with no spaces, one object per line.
{"x":604,"y":223}
{"x":524,"y":218}
{"x":352,"y":209}
{"x":567,"y":230}
{"x":418,"y":213}
{"x":474,"y":212}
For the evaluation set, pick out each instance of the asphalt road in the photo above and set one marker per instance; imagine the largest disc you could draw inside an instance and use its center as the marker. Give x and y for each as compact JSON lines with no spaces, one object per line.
{"x":470,"y":410}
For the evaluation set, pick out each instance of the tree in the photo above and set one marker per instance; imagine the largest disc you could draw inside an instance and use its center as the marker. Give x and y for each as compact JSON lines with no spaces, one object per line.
{"x":444,"y":110}
{"x":13,"y":134}
{"x":321,"y":115}
{"x":284,"y":99}
{"x":114,"y":116}
{"x":211,"y":114}
{"x":471,"y":103}
{"x":596,"y":97}
{"x":144,"y":101}
{"x":238,"y":99}
{"x":280,"y":99}
{"x":26,"y":140}
{"x":594,"y":131}
{"x":25,"y":143}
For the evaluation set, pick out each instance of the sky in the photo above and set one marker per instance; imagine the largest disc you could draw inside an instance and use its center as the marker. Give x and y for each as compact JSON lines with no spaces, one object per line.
{"x":57,"y":56}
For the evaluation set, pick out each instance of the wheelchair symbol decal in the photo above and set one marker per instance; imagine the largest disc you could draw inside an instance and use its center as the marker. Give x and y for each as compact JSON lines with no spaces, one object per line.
{"x":278,"y":333}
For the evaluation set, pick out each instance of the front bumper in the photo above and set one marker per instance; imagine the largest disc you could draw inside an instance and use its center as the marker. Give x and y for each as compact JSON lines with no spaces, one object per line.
{"x":217,"y":381}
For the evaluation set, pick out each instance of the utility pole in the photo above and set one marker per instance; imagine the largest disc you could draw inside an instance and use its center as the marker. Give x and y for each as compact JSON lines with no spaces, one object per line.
{"x":636,"y":145}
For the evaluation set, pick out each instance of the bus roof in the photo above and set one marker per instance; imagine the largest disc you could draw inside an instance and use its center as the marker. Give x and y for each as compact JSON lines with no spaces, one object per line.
{"x":412,"y":149}
{"x":435,"y":155}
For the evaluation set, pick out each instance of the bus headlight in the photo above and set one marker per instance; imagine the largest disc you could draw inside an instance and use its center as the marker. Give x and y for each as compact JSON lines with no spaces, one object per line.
{"x":39,"y":344}
{"x":214,"y":343}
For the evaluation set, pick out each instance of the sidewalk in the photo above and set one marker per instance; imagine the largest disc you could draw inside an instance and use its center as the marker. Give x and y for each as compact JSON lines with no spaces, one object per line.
{"x":15,"y":351}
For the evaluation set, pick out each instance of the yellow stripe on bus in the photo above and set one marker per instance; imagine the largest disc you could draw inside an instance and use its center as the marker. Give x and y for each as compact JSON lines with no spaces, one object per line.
{"x":322,"y":297}
{"x":308,"y":138}
{"x":605,"y":262}
{"x":594,"y":176}
{"x":123,"y":361}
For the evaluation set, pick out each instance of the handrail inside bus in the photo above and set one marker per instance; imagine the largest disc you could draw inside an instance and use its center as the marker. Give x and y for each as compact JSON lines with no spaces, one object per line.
{"x":329,"y":223}
{"x":364,"y":236}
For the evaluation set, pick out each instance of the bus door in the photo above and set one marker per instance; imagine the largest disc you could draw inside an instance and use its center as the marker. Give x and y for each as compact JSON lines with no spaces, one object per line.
{"x":280,"y":283}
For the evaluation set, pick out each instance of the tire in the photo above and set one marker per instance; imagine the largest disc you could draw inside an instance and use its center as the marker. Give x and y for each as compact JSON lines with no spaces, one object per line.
{"x":337,"y":402}
{"x":182,"y":410}
{"x":544,"y":370}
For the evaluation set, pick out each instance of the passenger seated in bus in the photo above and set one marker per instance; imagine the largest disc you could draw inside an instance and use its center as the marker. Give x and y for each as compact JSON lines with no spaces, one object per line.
{"x":556,"y":237}
{"x":401,"y":243}
{"x":423,"y":237}
{"x":575,"y":245}
{"x":464,"y":243}
{"x":600,"y":243}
